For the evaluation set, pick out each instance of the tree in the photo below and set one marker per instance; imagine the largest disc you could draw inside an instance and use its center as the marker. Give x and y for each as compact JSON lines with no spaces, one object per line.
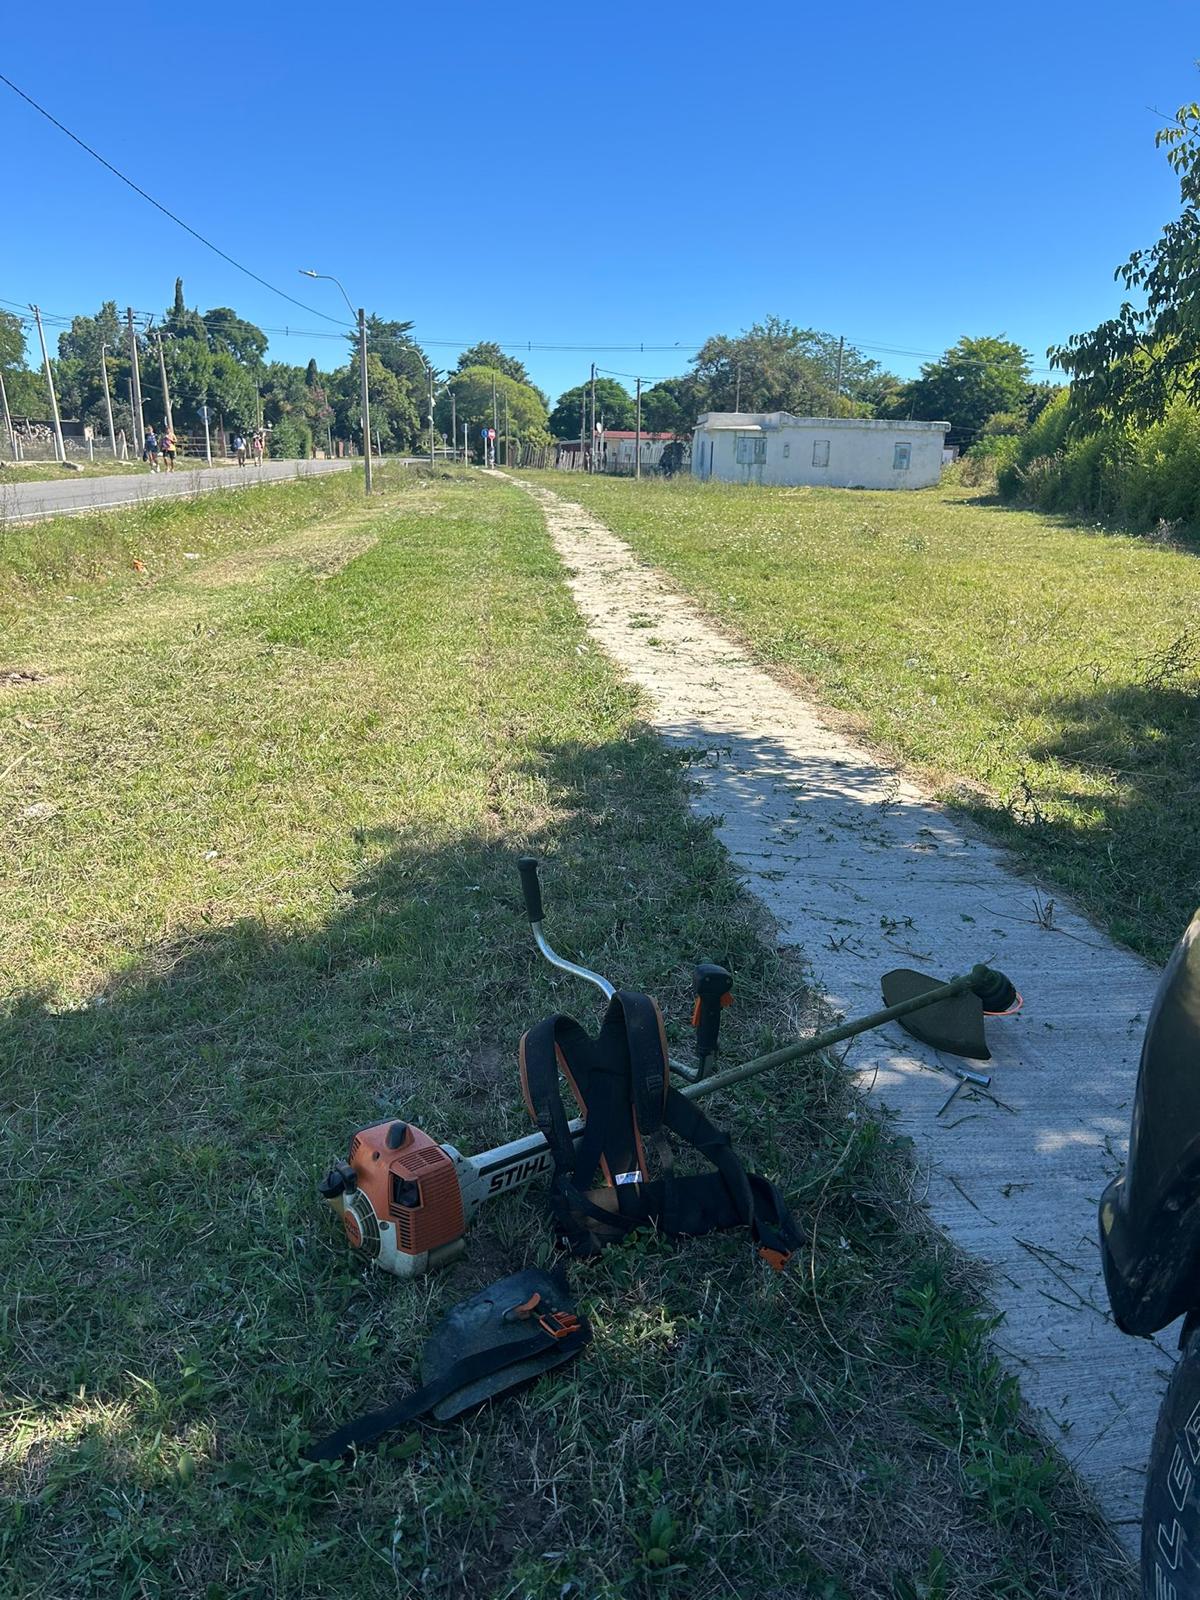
{"x":77,"y":376}
{"x":672,"y":406}
{"x":486,"y":354}
{"x":230,"y":333}
{"x":26,"y":393}
{"x":777,"y":366}
{"x":614,"y":408}
{"x":472,"y":390}
{"x":1135,"y":363}
{"x":394,"y":416}
{"x":974,"y":379}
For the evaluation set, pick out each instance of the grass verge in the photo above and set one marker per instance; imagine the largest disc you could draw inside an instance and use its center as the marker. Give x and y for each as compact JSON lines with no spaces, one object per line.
{"x":1043,"y":675}
{"x":261,"y":820}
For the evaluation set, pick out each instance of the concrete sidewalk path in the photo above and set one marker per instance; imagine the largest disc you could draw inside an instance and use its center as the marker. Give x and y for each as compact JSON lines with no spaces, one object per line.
{"x":864,"y":873}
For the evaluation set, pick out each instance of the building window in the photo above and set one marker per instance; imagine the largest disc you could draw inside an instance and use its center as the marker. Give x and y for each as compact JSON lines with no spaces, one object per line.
{"x":820,"y":452}
{"x":901,"y":457}
{"x":751,"y":449}
{"x":787,"y":450}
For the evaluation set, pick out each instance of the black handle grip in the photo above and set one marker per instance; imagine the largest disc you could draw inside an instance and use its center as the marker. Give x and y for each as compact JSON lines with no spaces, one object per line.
{"x":711,"y":984}
{"x":527,"y":866}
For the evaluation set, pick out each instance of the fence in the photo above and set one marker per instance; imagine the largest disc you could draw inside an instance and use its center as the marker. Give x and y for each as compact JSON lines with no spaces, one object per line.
{"x":34,"y":441}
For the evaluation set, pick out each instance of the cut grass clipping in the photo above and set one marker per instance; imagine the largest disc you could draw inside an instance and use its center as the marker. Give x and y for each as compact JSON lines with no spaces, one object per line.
{"x":1045,"y":676}
{"x":262,"y":813}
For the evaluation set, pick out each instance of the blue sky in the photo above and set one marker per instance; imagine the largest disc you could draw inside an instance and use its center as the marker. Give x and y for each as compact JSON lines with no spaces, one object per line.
{"x":599,"y":176}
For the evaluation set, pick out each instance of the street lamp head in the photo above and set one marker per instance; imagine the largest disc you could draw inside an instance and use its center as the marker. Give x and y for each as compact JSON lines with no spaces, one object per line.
{"x":307,"y":272}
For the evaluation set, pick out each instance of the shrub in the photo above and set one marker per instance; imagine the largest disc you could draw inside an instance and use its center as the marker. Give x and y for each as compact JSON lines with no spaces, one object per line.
{"x":1142,"y":476}
{"x":290,"y":440}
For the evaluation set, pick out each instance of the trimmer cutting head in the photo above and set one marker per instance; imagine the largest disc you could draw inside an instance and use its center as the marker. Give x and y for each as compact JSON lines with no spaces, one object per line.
{"x":955,"y":1025}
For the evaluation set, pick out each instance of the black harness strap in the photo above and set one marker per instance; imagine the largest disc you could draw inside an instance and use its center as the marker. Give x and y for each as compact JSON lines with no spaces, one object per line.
{"x":621,"y":1086}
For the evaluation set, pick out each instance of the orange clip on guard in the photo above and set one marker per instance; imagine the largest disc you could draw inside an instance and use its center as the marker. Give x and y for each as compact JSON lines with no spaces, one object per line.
{"x":558,"y":1324}
{"x":726,"y":1000}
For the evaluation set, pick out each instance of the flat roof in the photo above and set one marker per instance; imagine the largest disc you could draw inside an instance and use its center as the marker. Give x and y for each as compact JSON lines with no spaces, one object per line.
{"x":778,"y":421}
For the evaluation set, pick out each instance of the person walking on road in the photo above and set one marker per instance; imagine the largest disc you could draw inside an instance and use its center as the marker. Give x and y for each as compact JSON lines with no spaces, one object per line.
{"x":239,"y":449}
{"x":150,"y":451}
{"x":166,"y":445}
{"x":256,"y":447}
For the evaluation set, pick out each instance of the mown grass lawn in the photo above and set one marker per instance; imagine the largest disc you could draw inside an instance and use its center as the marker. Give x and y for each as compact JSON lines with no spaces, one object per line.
{"x":1045,"y":676}
{"x":262,"y":796}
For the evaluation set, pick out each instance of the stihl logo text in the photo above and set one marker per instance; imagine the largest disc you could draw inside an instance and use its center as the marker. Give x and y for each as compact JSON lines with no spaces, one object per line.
{"x":512,"y":1177}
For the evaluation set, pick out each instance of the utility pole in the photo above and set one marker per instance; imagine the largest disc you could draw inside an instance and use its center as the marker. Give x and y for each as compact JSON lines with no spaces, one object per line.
{"x":454,"y":429}
{"x":582,"y":425}
{"x":737,"y":393}
{"x":837,"y":385}
{"x":507,"y":440}
{"x":466,"y":445}
{"x":431,"y":414}
{"x":592,"y":451}
{"x":58,"y":438}
{"x":139,"y":422}
{"x":8,"y":424}
{"x":366,"y":399}
{"x":207,"y":437}
{"x":495,"y":412}
{"x":637,"y":442}
{"x":112,"y":434}
{"x":162,"y":367}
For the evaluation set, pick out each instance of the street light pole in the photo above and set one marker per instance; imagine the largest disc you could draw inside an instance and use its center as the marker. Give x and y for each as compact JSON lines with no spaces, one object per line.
{"x":8,"y":423}
{"x":366,"y":397}
{"x":139,"y":421}
{"x":58,"y":438}
{"x":362,"y":362}
{"x":112,"y":434}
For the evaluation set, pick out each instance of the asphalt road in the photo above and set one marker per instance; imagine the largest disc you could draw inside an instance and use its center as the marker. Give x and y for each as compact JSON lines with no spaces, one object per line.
{"x":30,"y":502}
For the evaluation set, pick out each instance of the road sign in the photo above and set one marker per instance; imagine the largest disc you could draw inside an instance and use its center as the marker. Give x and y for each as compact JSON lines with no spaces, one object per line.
{"x":491,"y":433}
{"x":485,"y":433}
{"x":203,"y":413}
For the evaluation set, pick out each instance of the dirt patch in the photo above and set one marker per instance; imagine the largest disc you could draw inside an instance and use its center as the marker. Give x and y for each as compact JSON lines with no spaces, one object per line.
{"x":322,"y":551}
{"x":20,"y":677}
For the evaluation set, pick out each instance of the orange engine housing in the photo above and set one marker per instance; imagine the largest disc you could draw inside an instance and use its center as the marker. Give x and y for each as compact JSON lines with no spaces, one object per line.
{"x":411,"y":1182}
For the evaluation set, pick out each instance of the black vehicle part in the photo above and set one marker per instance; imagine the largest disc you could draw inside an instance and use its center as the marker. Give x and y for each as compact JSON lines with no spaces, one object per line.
{"x":1171,"y":1508}
{"x":620,"y":1084}
{"x":1150,"y":1215}
{"x":504,"y":1336}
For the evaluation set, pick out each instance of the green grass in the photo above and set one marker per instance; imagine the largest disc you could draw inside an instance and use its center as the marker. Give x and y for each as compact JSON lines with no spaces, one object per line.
{"x":101,"y":467}
{"x":1043,"y":675}
{"x":261,"y":814}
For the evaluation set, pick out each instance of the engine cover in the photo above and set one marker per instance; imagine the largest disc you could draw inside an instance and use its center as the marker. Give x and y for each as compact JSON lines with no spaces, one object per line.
{"x":399,"y":1199}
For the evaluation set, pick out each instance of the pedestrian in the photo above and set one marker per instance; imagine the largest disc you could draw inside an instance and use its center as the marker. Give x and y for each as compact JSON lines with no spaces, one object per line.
{"x":256,"y":446}
{"x":166,"y":445}
{"x":150,"y":450}
{"x":239,"y":449}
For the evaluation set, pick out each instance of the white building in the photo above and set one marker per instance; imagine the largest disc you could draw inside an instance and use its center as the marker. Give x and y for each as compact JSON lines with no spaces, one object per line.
{"x":841,"y":452}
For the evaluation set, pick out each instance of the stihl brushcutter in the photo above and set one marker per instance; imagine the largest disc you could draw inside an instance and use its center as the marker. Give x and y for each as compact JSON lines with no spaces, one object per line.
{"x":406,"y":1200}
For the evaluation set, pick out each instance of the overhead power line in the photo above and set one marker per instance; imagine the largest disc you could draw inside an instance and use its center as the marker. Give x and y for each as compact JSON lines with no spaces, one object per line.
{"x":157,"y":204}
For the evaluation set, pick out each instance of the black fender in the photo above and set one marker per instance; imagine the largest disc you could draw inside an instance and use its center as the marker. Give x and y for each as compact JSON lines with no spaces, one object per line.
{"x":1150,"y":1215}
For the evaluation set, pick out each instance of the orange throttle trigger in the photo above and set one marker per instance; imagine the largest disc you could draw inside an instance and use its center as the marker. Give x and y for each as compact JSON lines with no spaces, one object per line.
{"x":713,"y":989}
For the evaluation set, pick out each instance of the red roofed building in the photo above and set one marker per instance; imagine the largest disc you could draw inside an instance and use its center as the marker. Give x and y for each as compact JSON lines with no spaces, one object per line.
{"x":615,"y":451}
